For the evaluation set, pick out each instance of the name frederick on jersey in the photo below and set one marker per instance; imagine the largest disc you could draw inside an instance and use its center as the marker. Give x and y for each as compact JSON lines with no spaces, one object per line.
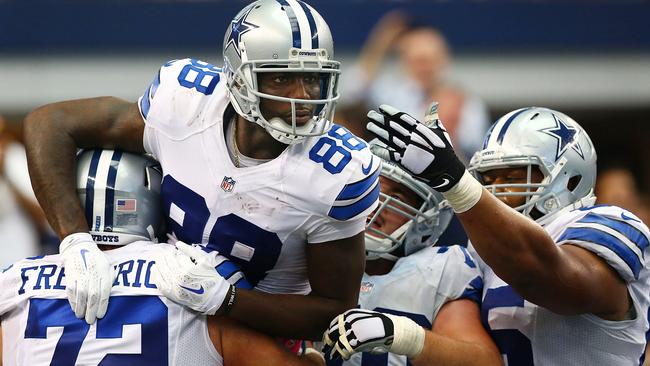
{"x":131,"y":273}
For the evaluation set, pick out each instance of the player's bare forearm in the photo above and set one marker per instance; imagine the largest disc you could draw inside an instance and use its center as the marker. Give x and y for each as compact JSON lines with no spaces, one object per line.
{"x":52,"y":135}
{"x":450,"y":352}
{"x":458,"y":338}
{"x":335,"y":269}
{"x":514,"y":246}
{"x":289,"y":316}
{"x":239,"y":345}
{"x":522,"y":253}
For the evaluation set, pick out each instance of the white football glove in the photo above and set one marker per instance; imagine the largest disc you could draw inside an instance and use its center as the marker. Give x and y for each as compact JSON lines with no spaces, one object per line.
{"x":89,"y":276}
{"x":187,"y":276}
{"x":360,"y":330}
{"x":424,"y":150}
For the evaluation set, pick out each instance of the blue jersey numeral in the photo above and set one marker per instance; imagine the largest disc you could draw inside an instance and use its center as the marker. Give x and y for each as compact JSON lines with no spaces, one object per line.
{"x":257,"y":249}
{"x":201,"y":76}
{"x":513,"y":344}
{"x":334,"y":157}
{"x":149,"y":312}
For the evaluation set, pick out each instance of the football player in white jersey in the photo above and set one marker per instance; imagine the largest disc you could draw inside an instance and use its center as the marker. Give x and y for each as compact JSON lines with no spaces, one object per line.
{"x":409,"y":286}
{"x":141,"y":327}
{"x":252,"y":166}
{"x":565,"y":282}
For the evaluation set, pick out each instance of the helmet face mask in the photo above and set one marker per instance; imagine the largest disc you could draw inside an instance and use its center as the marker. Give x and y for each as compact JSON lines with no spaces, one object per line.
{"x":262,"y":38}
{"x":120,"y":193}
{"x":422,"y":223}
{"x":547,"y":140}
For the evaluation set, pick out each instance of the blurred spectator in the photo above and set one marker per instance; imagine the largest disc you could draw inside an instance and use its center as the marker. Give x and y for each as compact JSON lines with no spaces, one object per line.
{"x":617,"y":186}
{"x":423,"y":58}
{"x":20,"y":214}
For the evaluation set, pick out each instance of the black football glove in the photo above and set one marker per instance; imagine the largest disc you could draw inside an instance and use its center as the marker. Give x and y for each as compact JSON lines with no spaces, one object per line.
{"x":425,"y":151}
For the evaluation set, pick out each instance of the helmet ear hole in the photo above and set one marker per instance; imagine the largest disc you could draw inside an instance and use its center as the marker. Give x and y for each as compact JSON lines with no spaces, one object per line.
{"x":574,"y":182}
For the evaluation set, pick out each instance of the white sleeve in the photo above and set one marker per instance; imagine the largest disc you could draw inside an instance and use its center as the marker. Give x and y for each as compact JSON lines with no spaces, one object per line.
{"x":180,"y":90}
{"x":16,"y":170}
{"x":325,"y":230}
{"x":461,"y":278}
{"x":9,"y":288}
{"x":615,"y":235}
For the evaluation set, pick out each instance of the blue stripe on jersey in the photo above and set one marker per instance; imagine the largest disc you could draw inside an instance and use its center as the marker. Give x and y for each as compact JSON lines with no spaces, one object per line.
{"x":154,"y":85}
{"x":110,"y":191}
{"x":90,"y":187}
{"x":502,"y":133}
{"x":468,"y":258}
{"x":145,"y":104}
{"x":145,"y":101}
{"x":356,"y":189}
{"x":312,"y":24}
{"x":629,"y":231}
{"x":346,"y":212}
{"x":227,"y":268}
{"x":609,"y":241}
{"x":293,"y":20}
{"x":474,"y":290}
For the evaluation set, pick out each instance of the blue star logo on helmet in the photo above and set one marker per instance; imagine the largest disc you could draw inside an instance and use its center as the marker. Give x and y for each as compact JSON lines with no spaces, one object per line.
{"x":565,"y":136}
{"x":238,"y":27}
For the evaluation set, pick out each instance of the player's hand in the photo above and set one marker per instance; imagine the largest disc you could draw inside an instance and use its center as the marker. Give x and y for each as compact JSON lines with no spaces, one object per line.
{"x":187,"y":276}
{"x":89,"y":276}
{"x":359,"y":330}
{"x":423,"y":150}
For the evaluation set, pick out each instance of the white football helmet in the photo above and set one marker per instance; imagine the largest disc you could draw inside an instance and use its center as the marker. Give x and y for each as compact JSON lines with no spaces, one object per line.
{"x":424,"y":224}
{"x":280,"y":36}
{"x":554,"y":143}
{"x":120,"y":193}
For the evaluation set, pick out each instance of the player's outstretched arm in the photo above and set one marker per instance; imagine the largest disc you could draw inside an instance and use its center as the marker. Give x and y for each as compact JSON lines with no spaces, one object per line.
{"x":456,"y":338}
{"x":53,"y":133}
{"x":566,"y":279}
{"x":239,"y":345}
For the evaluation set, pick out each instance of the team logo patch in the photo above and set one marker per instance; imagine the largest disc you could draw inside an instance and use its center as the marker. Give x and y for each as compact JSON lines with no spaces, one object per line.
{"x":228,"y":184}
{"x":126,"y":205}
{"x":366,"y":287}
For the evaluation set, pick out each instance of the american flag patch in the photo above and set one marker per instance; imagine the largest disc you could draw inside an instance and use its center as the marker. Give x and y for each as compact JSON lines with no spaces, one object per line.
{"x":126,"y":205}
{"x":366,"y":287}
{"x":227,"y":184}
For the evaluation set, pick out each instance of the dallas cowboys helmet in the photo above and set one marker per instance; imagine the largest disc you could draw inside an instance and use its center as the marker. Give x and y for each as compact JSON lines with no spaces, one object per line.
{"x":554,"y":143}
{"x":424,"y":224}
{"x":120,"y":194}
{"x":280,"y":36}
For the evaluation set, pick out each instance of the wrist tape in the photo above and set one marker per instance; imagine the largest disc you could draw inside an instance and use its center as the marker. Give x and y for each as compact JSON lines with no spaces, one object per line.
{"x":465,"y":194}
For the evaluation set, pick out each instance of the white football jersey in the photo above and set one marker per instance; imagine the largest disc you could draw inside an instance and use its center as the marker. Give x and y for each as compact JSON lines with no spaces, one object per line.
{"x":527,"y":334}
{"x":141,"y":327}
{"x":417,"y":287}
{"x":263,"y":216}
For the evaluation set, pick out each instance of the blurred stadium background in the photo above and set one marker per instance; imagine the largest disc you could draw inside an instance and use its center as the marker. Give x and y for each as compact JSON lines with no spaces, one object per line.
{"x":589,"y":59}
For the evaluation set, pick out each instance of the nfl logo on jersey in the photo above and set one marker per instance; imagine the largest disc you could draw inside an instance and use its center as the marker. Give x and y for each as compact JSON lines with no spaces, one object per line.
{"x":227,"y":184}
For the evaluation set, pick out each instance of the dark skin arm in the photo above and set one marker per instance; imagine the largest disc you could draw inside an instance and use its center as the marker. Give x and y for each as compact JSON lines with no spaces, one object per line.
{"x":241,"y":346}
{"x":458,"y":338}
{"x":335,"y":270}
{"x":523,"y":254}
{"x":52,"y":135}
